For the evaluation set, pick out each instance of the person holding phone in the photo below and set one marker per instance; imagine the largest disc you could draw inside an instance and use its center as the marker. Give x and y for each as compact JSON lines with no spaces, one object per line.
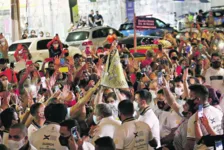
{"x":22,"y":53}
{"x":55,"y":47}
{"x":70,"y":136}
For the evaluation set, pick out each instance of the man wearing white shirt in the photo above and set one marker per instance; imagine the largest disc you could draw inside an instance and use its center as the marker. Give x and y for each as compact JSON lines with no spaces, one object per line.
{"x":215,"y":75}
{"x":48,"y":136}
{"x":37,"y":111}
{"x":107,"y":124}
{"x":132,"y":134}
{"x":144,"y":98}
{"x":213,"y":114}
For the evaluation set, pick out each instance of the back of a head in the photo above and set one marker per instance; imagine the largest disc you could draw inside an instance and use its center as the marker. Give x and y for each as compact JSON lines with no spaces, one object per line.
{"x":55,"y":113}
{"x":200,"y":90}
{"x":7,"y":116}
{"x":145,"y":95}
{"x":34,"y":108}
{"x":126,"y":108}
{"x":105,"y":143}
{"x":20,"y":126}
{"x":103,"y":110}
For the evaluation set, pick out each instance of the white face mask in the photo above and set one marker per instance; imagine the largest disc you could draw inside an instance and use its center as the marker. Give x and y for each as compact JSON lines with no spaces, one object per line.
{"x":178,"y":91}
{"x":96,"y":119}
{"x":15,"y":145}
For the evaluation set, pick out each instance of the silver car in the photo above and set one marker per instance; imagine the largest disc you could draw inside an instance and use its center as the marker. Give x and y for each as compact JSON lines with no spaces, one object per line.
{"x":91,"y":37}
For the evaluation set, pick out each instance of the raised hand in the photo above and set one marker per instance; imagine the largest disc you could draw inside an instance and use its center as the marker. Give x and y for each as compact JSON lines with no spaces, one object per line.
{"x":71,"y":61}
{"x":57,"y":61}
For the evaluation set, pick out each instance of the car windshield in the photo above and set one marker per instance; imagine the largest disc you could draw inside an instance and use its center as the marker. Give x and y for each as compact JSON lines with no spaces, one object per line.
{"x":14,"y":46}
{"x":127,"y":26}
{"x":77,"y":36}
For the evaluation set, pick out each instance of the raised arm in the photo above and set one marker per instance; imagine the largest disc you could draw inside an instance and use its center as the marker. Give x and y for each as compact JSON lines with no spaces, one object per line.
{"x":170,"y":97}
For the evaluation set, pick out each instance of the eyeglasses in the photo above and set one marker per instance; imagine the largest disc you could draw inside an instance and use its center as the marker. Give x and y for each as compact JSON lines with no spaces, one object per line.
{"x":16,"y":137}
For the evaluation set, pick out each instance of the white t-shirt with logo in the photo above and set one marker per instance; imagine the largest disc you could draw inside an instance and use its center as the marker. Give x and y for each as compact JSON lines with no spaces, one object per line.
{"x":215,"y":78}
{"x":47,"y":138}
{"x":150,"y":118}
{"x":106,"y":127}
{"x":214,"y":117}
{"x":133,"y":135}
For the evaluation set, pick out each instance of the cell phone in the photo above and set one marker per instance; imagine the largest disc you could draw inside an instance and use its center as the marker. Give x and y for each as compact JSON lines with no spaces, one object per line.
{"x":200,"y":46}
{"x":193,"y":65}
{"x":62,"y":61}
{"x":57,"y":88}
{"x":200,"y":111}
{"x":101,"y":55}
{"x":29,"y":62}
{"x":188,"y":49}
{"x":63,"y":69}
{"x":48,"y":59}
{"x":87,"y":51}
{"x":160,"y":47}
{"x":89,"y":59}
{"x":74,"y":133}
{"x":218,"y":145}
{"x":43,"y":82}
{"x":160,"y":78}
{"x":178,"y":70}
{"x":125,"y":59}
{"x":12,"y":66}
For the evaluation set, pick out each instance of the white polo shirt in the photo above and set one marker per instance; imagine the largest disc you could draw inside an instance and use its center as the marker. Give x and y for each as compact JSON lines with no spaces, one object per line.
{"x":168,"y":120}
{"x":149,"y":117}
{"x":106,"y":127}
{"x":133,"y":135}
{"x":214,"y":116}
{"x":215,"y":78}
{"x":32,"y":128}
{"x":47,"y":138}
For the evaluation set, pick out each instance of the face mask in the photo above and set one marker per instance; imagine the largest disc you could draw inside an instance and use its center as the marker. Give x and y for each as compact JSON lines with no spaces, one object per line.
{"x":96,"y":119}
{"x":136,"y":106}
{"x":15,"y":145}
{"x":66,"y":54}
{"x":178,"y":91}
{"x":160,"y":104}
{"x":174,"y":58}
{"x":64,"y":140}
{"x":216,"y":64}
{"x":184,"y":113}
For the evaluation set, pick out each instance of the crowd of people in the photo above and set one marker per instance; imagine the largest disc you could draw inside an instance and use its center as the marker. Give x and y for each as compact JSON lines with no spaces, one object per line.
{"x":174,"y":98}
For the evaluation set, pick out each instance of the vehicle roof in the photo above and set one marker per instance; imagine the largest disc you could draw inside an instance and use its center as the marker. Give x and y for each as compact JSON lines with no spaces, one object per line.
{"x":31,"y":40}
{"x":90,"y":29}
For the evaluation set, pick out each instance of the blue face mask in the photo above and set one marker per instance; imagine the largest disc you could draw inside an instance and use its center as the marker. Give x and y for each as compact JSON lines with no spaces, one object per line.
{"x":95,"y":119}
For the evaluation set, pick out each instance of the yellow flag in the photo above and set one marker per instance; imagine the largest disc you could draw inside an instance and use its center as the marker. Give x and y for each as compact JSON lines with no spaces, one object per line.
{"x":113,"y":75}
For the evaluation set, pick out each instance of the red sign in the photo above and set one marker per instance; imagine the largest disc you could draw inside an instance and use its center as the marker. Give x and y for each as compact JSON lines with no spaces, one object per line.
{"x":145,"y":23}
